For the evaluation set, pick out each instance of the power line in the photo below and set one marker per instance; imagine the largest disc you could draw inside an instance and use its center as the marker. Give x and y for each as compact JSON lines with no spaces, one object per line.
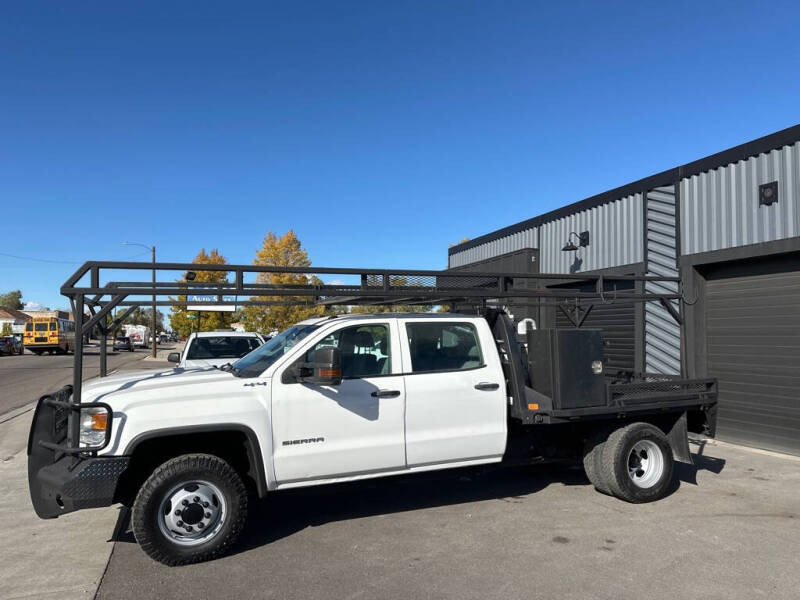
{"x":44,"y":260}
{"x":59,"y":262}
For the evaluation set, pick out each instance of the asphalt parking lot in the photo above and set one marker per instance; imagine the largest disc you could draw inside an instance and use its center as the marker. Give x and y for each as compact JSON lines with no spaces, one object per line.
{"x":730,"y":529}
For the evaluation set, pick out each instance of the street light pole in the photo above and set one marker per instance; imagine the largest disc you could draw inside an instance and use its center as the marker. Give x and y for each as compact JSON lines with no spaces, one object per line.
{"x":154,"y":303}
{"x":153,"y":321}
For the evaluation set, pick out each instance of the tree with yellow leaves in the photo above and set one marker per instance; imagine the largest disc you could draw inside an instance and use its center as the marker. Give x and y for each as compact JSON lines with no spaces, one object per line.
{"x":206,"y":321}
{"x":283,"y":251}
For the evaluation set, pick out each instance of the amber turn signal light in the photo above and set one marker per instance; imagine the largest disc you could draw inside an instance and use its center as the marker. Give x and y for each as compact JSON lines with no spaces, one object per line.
{"x":100,"y":421}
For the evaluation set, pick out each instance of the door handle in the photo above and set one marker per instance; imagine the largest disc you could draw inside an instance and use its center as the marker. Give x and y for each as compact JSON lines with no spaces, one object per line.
{"x":385,"y":394}
{"x":485,"y":385}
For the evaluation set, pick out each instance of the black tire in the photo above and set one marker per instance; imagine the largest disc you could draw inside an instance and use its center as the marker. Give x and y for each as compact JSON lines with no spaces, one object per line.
{"x":617,"y":457}
{"x":592,"y":458}
{"x":146,"y":517}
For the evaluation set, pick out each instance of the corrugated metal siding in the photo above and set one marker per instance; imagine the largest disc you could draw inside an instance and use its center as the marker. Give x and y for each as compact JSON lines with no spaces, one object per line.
{"x":528,"y":238}
{"x":521,"y":261}
{"x":615,"y":238}
{"x":662,"y":332}
{"x":719,"y":208}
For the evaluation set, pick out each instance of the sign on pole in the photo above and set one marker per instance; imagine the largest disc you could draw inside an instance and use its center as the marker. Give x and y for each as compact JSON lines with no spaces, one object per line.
{"x":204,"y":303}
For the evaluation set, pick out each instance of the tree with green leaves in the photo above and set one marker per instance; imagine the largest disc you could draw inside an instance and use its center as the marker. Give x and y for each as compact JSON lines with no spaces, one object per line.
{"x":12,"y":299}
{"x":7,"y":329}
{"x":180,"y":320}
{"x":283,"y":251}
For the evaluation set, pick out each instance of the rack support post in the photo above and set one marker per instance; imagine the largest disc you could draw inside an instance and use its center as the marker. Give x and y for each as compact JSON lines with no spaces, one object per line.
{"x":73,"y":435}
{"x":103,"y":350}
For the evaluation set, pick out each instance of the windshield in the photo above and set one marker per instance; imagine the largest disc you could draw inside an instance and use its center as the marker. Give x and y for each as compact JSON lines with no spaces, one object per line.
{"x":263,"y":357}
{"x":221,"y":347}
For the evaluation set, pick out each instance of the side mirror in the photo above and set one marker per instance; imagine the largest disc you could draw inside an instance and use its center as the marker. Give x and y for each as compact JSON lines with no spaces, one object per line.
{"x":174,"y":357}
{"x":326,"y":368}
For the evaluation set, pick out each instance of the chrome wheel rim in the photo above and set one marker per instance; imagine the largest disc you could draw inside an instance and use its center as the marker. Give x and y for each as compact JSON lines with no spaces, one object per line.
{"x":192,"y":513}
{"x":645,"y":464}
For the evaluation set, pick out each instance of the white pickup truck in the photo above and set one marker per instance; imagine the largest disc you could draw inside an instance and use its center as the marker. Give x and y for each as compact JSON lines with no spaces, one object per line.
{"x":206,"y":349}
{"x":346,"y":398}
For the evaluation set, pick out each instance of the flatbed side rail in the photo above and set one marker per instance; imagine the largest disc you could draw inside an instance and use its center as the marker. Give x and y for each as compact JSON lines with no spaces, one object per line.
{"x":664,"y":388}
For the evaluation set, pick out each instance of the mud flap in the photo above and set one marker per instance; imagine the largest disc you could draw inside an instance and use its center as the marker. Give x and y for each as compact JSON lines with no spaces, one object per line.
{"x":679,"y":441}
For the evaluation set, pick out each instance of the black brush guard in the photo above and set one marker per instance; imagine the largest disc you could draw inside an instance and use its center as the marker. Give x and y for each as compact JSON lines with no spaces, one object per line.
{"x":64,"y":478}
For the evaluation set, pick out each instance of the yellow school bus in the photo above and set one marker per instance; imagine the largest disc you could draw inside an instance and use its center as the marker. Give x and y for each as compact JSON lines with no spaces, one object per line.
{"x":49,"y":334}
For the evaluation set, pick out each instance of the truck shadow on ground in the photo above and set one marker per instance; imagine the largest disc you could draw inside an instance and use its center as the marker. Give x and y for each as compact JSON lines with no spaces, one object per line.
{"x":288,"y":512}
{"x":702,"y":462}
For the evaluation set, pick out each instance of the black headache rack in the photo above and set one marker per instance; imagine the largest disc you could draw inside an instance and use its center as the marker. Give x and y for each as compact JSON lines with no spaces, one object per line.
{"x":557,"y":376}
{"x":99,"y":287}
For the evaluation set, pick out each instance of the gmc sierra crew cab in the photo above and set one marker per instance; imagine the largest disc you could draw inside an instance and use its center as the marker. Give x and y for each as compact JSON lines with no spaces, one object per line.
{"x":353,"y":397}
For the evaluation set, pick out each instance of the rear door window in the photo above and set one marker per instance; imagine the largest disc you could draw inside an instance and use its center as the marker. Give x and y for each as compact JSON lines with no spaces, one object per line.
{"x":41,"y":326}
{"x":443,"y":346}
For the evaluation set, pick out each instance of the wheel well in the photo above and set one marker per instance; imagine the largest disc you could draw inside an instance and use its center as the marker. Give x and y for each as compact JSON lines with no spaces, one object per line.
{"x":671,"y":425}
{"x":234,"y":446}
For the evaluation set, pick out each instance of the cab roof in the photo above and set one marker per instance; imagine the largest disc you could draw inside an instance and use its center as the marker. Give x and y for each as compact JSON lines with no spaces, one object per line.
{"x":389,"y":315}
{"x":225,"y":334}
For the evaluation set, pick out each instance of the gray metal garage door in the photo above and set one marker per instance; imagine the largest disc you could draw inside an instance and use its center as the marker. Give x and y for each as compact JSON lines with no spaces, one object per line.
{"x":753,"y":348}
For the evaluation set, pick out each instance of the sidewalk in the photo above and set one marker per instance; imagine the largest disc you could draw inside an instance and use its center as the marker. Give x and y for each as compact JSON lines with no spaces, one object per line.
{"x":62,"y":558}
{"x":163,"y":351}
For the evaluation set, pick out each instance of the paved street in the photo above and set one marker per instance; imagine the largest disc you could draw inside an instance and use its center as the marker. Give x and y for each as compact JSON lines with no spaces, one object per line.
{"x":23,"y":379}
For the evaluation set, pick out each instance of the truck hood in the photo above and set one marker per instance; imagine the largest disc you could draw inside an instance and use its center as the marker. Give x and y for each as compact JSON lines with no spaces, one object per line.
{"x":204,"y":363}
{"x":108,"y":389}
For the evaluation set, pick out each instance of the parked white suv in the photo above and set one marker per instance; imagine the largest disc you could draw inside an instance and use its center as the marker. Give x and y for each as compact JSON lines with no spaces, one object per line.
{"x":215,"y":348}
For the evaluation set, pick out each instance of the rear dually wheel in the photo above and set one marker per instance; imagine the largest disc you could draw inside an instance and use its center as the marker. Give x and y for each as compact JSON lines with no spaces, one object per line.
{"x":637,"y":463}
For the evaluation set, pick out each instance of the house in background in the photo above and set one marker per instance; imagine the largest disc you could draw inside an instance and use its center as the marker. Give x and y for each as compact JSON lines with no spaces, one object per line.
{"x":15,"y":318}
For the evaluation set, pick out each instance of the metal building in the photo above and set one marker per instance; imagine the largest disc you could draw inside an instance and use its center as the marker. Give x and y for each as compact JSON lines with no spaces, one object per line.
{"x":729,"y":224}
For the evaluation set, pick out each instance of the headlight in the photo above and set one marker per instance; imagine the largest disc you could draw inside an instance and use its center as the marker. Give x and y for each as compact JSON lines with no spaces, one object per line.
{"x":597,"y":367}
{"x":95,"y":423}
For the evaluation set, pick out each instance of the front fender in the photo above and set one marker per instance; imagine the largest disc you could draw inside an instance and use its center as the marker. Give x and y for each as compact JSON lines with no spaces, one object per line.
{"x":255,"y":453}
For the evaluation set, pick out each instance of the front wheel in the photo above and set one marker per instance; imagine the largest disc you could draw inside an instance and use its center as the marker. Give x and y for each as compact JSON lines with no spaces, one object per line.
{"x":191,"y":509}
{"x":637,"y":463}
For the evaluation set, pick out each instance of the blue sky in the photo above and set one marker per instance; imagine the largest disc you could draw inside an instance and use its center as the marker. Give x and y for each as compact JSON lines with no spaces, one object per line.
{"x":380,"y":131}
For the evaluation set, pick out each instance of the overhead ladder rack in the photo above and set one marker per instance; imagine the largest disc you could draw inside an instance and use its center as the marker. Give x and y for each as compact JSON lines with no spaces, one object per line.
{"x":99,"y":287}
